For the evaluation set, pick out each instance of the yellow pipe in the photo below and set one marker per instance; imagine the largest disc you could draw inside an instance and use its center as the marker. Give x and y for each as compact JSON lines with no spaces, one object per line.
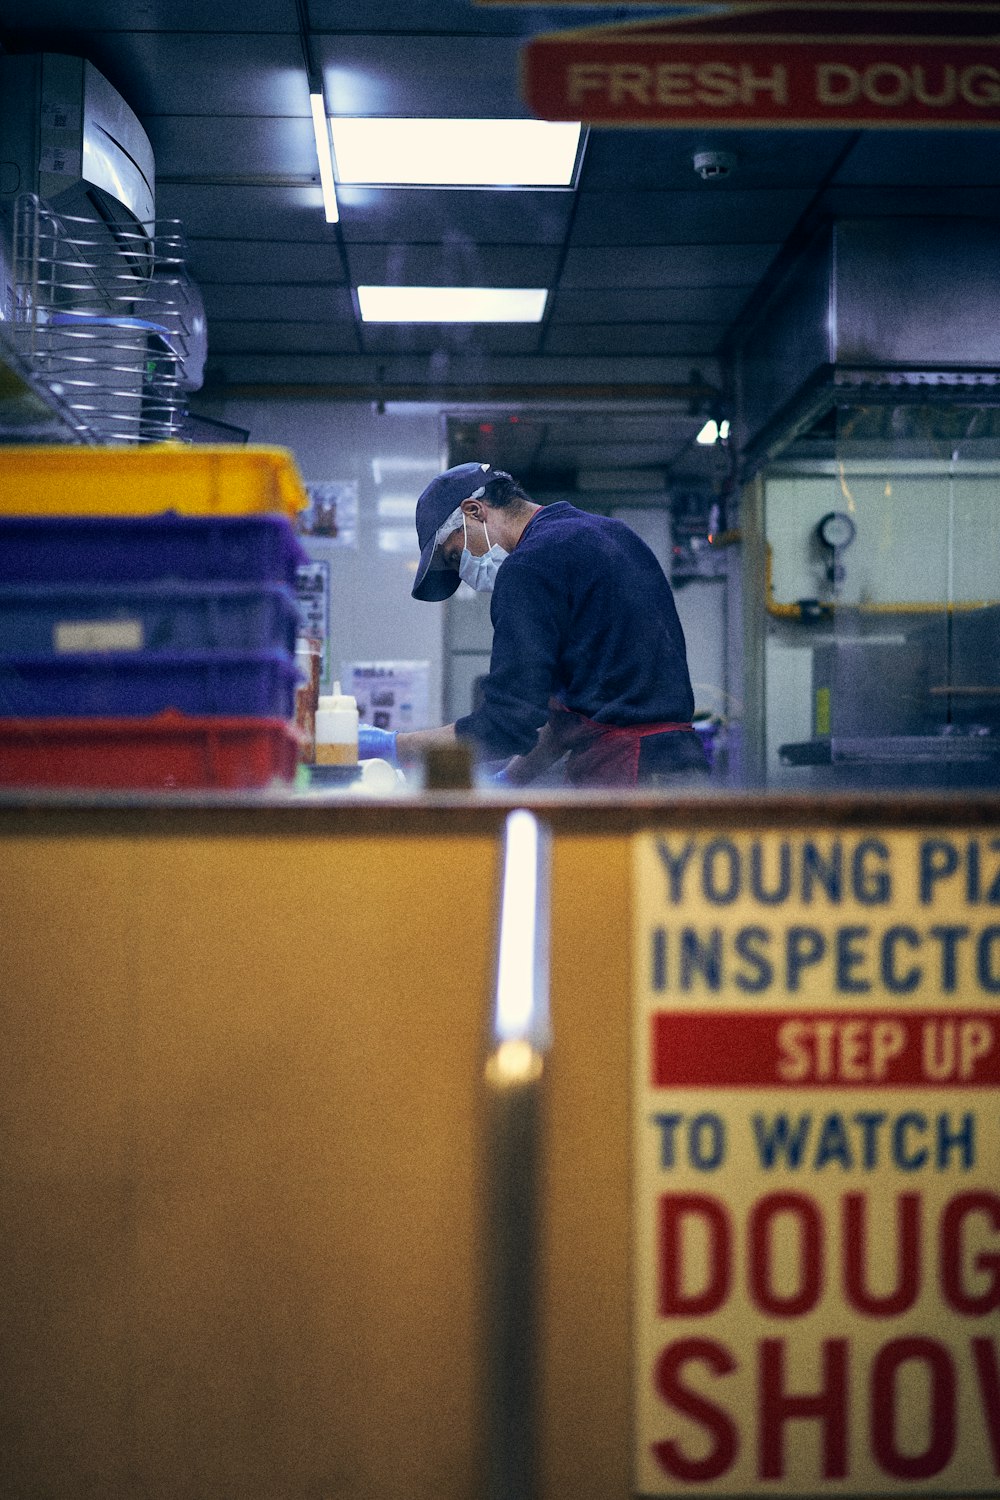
{"x":955,"y":607}
{"x":827,"y":608}
{"x":784,"y":611}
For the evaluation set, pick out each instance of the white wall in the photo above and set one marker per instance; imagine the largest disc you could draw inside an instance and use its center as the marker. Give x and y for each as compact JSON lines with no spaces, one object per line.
{"x":922,"y":537}
{"x":468,"y":642}
{"x":391,"y":457}
{"x":701,"y":605}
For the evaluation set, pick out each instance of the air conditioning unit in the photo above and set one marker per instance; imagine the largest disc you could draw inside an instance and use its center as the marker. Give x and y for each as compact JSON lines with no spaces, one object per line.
{"x":67,"y":136}
{"x":97,"y":303}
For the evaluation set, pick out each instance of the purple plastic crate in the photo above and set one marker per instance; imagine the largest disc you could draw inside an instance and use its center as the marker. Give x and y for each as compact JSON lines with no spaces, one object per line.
{"x":117,"y":684}
{"x":37,"y":618}
{"x":134,"y":549}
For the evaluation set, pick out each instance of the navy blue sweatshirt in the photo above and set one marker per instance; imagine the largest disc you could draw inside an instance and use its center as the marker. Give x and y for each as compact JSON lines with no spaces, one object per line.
{"x":583,"y":613}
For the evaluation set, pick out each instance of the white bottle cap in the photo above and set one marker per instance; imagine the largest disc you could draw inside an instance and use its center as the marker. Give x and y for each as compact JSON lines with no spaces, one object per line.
{"x":337,"y":701}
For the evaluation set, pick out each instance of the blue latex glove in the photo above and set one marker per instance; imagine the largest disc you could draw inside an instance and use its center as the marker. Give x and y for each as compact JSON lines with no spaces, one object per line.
{"x":377,"y":744}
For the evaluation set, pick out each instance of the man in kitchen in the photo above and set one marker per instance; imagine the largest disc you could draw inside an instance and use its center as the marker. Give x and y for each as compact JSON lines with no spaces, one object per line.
{"x":588,"y":667}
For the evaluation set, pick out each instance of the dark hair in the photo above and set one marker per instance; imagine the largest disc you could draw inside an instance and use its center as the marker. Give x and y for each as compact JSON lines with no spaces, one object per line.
{"x":502,"y":491}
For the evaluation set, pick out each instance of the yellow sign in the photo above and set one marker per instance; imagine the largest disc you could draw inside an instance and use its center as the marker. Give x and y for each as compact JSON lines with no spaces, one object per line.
{"x":817,"y":1162}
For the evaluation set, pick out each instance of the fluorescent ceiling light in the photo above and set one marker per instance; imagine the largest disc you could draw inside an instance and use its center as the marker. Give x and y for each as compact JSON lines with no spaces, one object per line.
{"x":387,"y":464}
{"x":396,"y":539}
{"x":321,"y":130}
{"x":397,"y":507}
{"x":451,"y":304}
{"x":455,"y":153}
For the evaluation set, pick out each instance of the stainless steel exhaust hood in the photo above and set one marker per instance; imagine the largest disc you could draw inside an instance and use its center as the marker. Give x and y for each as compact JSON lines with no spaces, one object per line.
{"x":873,"y":309}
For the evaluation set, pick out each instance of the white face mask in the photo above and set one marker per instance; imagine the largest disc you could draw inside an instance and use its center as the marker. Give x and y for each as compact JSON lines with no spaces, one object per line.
{"x":480,"y":573}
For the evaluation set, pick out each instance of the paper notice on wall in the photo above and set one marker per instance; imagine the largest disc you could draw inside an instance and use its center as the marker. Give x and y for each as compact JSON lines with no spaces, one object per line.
{"x":312,"y":587}
{"x":390,"y":694}
{"x":817,"y":1158}
{"x":332,"y":513}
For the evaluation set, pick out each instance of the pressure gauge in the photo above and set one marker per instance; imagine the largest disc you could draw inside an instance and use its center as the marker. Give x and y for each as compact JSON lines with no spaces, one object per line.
{"x":836,"y":530}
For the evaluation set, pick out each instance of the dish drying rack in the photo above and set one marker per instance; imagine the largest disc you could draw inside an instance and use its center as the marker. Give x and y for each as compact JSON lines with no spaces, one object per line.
{"x":104,"y":318}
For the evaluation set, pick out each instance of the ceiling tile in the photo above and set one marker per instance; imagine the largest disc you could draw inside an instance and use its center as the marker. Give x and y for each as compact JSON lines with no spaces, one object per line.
{"x":148,"y":15}
{"x":467,"y":371}
{"x":452,"y":265}
{"x":668,"y":266}
{"x":198,"y":146}
{"x":928,"y":158}
{"x":293,"y":213}
{"x":463,"y":77}
{"x":911,"y":202}
{"x":634,"y":338}
{"x":247,"y":337}
{"x":441,"y":16}
{"x":430,"y":338}
{"x":454,"y":215}
{"x":686,"y":304}
{"x":171,"y":73}
{"x":265,"y":261}
{"x":686,"y":218}
{"x":282,"y":303}
{"x":620,"y":159}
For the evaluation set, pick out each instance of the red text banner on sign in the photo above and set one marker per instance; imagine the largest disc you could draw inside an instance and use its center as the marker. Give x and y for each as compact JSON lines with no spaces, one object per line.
{"x":937,"y":1049}
{"x":626,"y":80}
{"x":764,"y":5}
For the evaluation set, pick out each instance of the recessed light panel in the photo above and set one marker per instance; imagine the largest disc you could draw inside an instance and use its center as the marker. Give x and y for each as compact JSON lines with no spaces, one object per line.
{"x":396,"y":507}
{"x":455,"y":153}
{"x":451,"y":304}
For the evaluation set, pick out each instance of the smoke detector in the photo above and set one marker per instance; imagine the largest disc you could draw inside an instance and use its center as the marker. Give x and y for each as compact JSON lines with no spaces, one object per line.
{"x":713,"y":165}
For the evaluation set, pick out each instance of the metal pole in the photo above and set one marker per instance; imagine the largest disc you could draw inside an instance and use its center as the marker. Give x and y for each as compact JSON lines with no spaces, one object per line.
{"x":514,"y":1073}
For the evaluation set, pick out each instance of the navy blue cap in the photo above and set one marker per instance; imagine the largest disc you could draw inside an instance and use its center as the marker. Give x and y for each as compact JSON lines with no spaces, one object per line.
{"x":442,"y":496}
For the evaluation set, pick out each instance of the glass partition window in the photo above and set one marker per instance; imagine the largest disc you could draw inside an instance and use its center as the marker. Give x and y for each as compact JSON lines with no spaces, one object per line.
{"x":882,"y":655}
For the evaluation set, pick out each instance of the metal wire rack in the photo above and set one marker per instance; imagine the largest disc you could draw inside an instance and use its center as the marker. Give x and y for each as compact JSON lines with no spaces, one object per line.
{"x":103,"y":316}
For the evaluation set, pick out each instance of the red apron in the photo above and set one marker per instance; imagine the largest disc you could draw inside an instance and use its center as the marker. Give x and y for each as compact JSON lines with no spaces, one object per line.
{"x":600,"y":754}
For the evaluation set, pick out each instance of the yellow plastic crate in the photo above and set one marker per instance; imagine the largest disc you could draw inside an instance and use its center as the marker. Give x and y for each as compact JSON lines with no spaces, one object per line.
{"x":193,"y":480}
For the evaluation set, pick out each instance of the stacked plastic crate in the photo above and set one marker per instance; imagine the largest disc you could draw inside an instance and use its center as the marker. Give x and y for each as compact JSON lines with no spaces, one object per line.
{"x":148,"y":617}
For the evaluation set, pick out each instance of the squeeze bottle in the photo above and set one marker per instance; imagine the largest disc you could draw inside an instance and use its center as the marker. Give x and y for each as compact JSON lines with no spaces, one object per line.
{"x":308,"y":656}
{"x":337,"y":729}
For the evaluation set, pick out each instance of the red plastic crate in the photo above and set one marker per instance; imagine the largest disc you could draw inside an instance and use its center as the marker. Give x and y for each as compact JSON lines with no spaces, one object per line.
{"x":166,"y":752}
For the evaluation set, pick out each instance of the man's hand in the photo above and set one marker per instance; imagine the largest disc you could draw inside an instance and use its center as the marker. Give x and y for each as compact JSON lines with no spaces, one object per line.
{"x":523,"y":769}
{"x":411,"y":743}
{"x":377,"y":744}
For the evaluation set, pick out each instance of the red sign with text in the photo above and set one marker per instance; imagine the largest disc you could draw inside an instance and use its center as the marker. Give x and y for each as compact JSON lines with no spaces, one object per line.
{"x":763,"y":5}
{"x":626,"y":77}
{"x":895,"y":1049}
